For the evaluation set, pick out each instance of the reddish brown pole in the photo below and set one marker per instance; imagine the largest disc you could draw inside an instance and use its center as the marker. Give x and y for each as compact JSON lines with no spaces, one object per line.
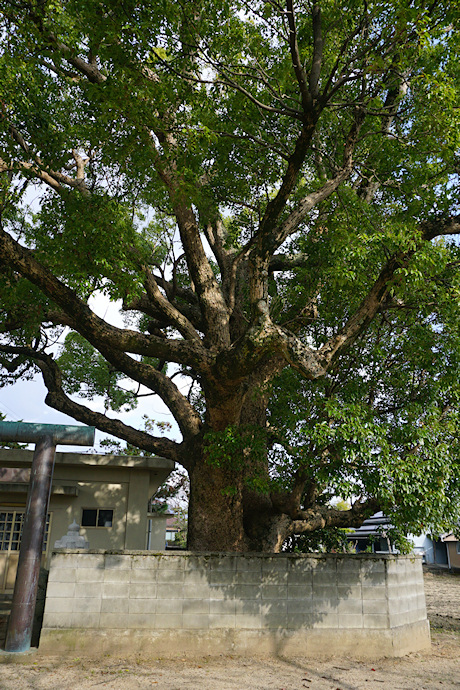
{"x":25,"y":589}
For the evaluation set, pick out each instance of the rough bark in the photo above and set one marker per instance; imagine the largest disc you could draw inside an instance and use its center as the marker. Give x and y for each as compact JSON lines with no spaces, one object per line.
{"x":216,"y":325}
{"x":215,"y":516}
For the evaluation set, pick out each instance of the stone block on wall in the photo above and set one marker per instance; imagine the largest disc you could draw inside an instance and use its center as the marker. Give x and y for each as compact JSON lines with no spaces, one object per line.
{"x":229,"y":598}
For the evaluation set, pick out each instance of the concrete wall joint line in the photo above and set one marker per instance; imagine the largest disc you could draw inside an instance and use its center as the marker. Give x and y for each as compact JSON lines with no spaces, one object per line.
{"x":299,"y":598}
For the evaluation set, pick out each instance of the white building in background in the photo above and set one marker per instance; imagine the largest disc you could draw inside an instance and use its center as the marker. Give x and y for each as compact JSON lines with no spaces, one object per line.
{"x":107,"y":495}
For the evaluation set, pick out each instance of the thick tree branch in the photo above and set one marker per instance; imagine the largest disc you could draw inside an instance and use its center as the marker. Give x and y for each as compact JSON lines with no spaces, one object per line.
{"x":305,"y":91}
{"x":302,"y":209}
{"x":210,"y":298}
{"x":440,"y":227}
{"x":172,"y":314}
{"x":324,"y":516}
{"x":372,"y":303}
{"x":313,"y":80}
{"x":275,"y":207}
{"x":269,"y":237}
{"x":58,"y":400}
{"x":97,"y":331}
{"x":87,"y":69}
{"x":214,"y":309}
{"x":144,"y":305}
{"x":174,"y":290}
{"x":365,"y":312}
{"x":53,"y":178}
{"x":34,"y":170}
{"x":216,"y":235}
{"x":289,"y":502}
{"x":261,"y":341}
{"x":186,"y":417}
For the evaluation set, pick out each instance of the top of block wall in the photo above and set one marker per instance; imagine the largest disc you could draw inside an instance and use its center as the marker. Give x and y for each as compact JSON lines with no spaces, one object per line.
{"x":220,"y":554}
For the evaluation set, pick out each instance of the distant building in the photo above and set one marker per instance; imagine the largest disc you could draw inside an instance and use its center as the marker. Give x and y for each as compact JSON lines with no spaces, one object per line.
{"x":443,"y":551}
{"x":372,"y":535}
{"x":452,"y":543}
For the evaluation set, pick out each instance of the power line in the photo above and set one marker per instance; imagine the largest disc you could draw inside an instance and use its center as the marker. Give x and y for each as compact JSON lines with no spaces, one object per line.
{"x":9,"y":411}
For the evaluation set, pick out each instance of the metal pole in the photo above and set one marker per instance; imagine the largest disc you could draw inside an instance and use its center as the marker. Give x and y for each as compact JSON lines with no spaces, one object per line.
{"x":65,"y":434}
{"x":25,"y":589}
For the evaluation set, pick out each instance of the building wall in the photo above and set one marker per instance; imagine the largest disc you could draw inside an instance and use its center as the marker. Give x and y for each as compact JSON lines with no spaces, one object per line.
{"x":105,"y":602}
{"x":95,"y":488}
{"x":123,"y":484}
{"x":93,"y":494}
{"x":157,"y":532}
{"x":435,"y":550}
{"x":454,"y":556}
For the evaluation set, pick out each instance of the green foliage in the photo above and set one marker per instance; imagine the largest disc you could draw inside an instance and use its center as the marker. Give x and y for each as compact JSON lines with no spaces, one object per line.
{"x":12,"y":444}
{"x":88,"y":374}
{"x":385,"y":423}
{"x":241,"y":450}
{"x":92,"y":243}
{"x":140,"y":118}
{"x":327,"y":540}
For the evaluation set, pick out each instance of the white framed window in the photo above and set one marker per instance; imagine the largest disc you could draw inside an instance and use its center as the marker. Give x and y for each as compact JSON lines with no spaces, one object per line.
{"x":96,"y":517}
{"x":11,"y":525}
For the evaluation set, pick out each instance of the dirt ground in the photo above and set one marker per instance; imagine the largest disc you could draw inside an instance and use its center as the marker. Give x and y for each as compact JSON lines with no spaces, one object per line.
{"x":437,"y":668}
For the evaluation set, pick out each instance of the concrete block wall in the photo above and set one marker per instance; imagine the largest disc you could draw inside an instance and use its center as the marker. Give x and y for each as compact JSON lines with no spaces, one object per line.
{"x":257,"y":602}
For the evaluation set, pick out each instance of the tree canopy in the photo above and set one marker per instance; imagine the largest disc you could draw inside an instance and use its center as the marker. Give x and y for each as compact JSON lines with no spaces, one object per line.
{"x":269,"y":193}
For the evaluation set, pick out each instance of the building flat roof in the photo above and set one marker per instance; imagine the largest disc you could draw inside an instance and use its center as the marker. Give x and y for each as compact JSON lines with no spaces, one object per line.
{"x":23,"y":458}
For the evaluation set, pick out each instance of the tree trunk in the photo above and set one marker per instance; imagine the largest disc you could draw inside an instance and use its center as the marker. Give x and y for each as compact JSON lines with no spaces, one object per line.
{"x":224,"y":515}
{"x":230,"y":507}
{"x":266,"y":529}
{"x":215,"y":515}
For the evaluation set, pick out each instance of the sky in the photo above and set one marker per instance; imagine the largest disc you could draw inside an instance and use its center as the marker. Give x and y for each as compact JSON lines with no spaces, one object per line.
{"x":24,"y":401}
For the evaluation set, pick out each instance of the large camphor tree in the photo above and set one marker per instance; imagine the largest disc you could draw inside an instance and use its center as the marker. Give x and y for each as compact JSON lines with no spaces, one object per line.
{"x":269,"y":193}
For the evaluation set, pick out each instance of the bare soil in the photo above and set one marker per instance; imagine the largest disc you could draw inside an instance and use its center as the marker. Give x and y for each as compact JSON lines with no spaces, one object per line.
{"x":442,"y":593}
{"x":437,"y":668}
